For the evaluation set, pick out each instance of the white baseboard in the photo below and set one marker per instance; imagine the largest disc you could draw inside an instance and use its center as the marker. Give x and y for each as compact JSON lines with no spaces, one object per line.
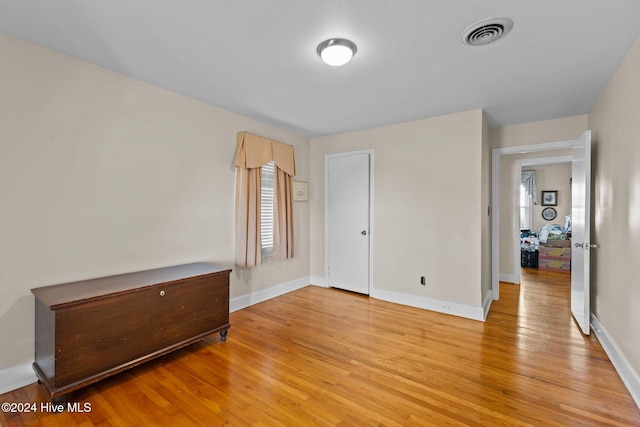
{"x":245,"y":301}
{"x":461,"y":310}
{"x":509,"y":278}
{"x":487,"y":305}
{"x":16,"y":376}
{"x":628,"y":375}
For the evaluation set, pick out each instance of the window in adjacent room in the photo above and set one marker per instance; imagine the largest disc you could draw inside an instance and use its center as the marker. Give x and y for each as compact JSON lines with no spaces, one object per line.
{"x":266,"y":209}
{"x":527,"y":199}
{"x":526,"y":209}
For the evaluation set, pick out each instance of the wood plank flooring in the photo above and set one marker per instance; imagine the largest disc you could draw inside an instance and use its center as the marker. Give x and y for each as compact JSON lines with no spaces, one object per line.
{"x":326,"y":357}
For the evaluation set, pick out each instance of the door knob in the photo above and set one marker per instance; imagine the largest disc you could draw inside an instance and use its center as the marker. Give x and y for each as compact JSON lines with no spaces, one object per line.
{"x":585,"y":245}
{"x":363,"y":232}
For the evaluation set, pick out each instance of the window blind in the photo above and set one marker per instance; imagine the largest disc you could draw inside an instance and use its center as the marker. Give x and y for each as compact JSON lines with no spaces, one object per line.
{"x":266,"y":209}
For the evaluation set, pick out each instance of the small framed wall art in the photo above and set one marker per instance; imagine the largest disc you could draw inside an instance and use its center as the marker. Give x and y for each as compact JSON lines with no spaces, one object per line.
{"x":549,"y":198}
{"x":549,"y":214}
{"x":299,"y":191}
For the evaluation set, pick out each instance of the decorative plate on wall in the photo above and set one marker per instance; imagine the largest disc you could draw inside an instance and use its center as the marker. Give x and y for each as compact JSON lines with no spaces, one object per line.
{"x":549,"y":214}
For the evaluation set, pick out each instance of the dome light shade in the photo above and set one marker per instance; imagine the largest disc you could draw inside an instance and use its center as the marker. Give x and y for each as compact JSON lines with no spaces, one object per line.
{"x":336,"y":52}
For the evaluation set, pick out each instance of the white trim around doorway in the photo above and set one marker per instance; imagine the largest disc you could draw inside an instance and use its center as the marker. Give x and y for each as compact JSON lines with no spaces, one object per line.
{"x":496,"y":153}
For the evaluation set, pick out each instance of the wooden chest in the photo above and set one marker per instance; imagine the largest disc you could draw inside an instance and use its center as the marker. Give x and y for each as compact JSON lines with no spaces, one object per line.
{"x":89,"y":330}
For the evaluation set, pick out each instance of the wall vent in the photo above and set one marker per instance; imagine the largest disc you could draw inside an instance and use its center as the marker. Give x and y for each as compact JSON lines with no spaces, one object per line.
{"x":486,"y":31}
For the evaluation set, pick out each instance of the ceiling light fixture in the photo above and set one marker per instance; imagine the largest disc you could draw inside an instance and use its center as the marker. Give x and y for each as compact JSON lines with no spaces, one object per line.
{"x":336,"y":52}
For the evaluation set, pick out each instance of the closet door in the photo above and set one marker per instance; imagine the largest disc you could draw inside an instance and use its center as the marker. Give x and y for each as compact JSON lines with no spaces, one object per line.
{"x":348,"y":221}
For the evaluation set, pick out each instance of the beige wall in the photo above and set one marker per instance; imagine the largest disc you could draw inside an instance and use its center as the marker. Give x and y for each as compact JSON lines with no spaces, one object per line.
{"x":615,"y":123}
{"x":553,"y":177}
{"x":427,"y":205}
{"x":556,"y":130}
{"x":564,"y":129}
{"x":102,"y":174}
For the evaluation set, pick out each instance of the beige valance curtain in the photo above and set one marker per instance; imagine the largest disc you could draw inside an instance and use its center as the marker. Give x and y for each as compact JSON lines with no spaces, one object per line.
{"x":252,"y":153}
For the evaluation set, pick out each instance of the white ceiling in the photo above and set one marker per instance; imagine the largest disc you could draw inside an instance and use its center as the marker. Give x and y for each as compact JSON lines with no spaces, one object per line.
{"x":258,"y":58}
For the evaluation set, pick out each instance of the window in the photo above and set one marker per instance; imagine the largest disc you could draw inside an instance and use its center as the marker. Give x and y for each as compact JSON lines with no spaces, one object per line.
{"x":526,"y":209}
{"x":266,"y":209}
{"x":527,"y":198}
{"x":264,"y":203}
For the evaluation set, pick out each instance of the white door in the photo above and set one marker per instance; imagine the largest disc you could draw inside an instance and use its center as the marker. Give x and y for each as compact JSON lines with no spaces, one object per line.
{"x":348,"y":233}
{"x":580,"y":231}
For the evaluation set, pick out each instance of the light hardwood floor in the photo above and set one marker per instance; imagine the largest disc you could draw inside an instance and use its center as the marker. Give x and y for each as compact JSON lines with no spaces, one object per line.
{"x":327,"y":357}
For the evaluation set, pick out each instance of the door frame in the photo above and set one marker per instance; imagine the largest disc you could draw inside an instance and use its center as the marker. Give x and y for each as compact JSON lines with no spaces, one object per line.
{"x":327,"y":157}
{"x":496,"y":153}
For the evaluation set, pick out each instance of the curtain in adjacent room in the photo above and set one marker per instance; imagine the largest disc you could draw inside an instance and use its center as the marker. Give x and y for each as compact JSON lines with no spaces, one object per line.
{"x":252,"y":153}
{"x":528,"y":179}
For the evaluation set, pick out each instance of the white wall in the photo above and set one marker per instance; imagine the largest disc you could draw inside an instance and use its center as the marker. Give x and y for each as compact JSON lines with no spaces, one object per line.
{"x":102,"y":174}
{"x":427,"y":206}
{"x":615,"y":124}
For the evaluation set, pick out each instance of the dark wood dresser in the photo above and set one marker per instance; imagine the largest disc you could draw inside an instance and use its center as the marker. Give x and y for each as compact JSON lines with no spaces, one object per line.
{"x":92,"y":329}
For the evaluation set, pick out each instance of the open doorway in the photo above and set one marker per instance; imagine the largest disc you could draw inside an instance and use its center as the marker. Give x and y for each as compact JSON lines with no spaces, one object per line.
{"x":542,"y":214}
{"x":505,"y":187}
{"x":580,"y":155}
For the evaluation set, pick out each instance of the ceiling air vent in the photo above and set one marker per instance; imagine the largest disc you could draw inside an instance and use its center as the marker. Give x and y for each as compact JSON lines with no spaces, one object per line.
{"x":486,"y":31}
